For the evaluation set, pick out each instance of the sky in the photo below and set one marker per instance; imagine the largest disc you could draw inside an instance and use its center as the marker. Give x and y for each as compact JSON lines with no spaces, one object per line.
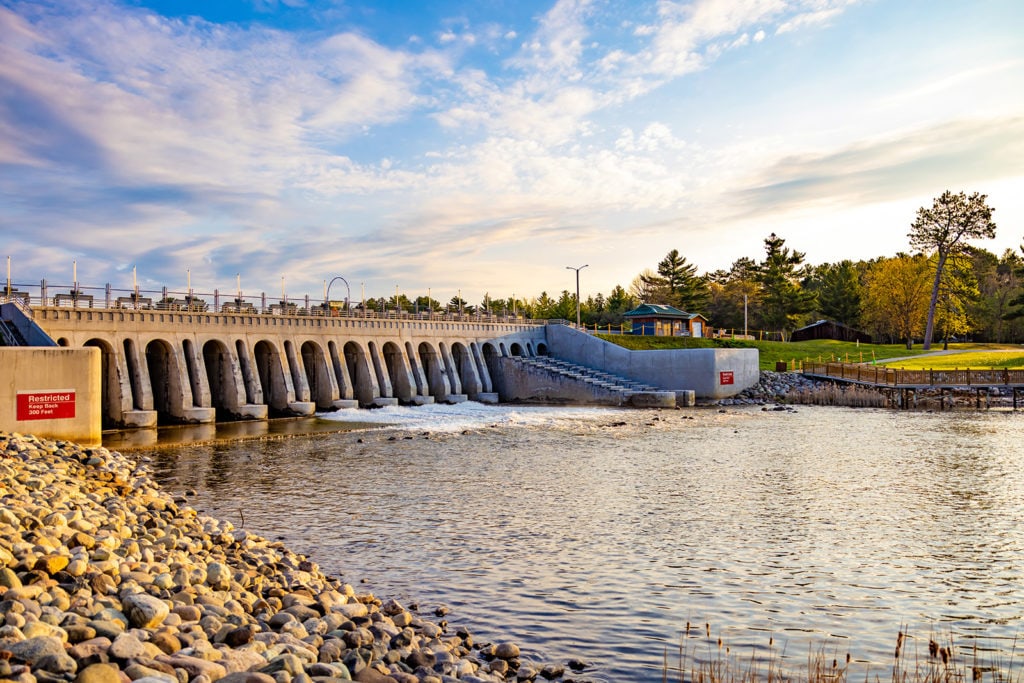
{"x":486,"y":146}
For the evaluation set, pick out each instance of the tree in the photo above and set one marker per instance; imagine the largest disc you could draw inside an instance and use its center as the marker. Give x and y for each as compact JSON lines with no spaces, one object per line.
{"x":543,"y":307}
{"x":999,"y":279}
{"x":957,"y":296}
{"x":649,"y":287}
{"x":686,"y":290}
{"x":735,"y":297}
{"x":458,"y":305}
{"x":425,"y":303}
{"x":896,"y":297}
{"x":783,"y":299}
{"x":944,"y":229}
{"x":838,"y":289}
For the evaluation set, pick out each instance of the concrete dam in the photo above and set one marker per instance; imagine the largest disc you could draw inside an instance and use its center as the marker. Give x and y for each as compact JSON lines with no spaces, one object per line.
{"x":180,"y":366}
{"x":192,"y":367}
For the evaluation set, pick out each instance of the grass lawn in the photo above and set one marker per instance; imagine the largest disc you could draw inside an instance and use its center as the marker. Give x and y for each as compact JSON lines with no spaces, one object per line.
{"x":820,"y":349}
{"x":965,"y":359}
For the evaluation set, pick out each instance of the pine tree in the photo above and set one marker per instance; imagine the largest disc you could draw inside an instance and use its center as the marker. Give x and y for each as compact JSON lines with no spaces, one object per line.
{"x":944,"y":229}
{"x":783,"y":299}
{"x":686,"y":290}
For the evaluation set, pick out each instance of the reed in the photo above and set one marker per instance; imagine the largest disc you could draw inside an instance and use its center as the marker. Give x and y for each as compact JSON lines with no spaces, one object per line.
{"x":852,"y":396}
{"x":703,"y":659}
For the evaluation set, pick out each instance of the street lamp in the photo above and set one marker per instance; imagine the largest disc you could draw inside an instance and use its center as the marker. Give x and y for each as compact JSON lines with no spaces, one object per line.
{"x":577,"y":290}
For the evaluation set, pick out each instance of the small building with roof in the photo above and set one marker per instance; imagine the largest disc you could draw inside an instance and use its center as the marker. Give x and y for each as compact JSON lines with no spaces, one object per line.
{"x":830,"y":329}
{"x":666,"y":321}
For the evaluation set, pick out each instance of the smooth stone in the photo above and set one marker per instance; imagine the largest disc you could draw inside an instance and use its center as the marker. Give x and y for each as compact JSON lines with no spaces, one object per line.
{"x":107,"y":629}
{"x":195,"y":666}
{"x":51,"y":564}
{"x":506,"y":651}
{"x":99,"y":673}
{"x":218,"y":576}
{"x":371,"y":675}
{"x":145,"y":611}
{"x":126,"y":646}
{"x":247,"y":677}
{"x":32,"y":650}
{"x":9,"y":579}
{"x":166,"y":641}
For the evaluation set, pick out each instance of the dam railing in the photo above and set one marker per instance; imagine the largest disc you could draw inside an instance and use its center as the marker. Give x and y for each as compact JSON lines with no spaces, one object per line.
{"x":77,"y":296}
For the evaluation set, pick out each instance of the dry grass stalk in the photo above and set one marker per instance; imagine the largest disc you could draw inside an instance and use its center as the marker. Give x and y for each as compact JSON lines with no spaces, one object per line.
{"x":835,"y":395}
{"x":943,"y":664}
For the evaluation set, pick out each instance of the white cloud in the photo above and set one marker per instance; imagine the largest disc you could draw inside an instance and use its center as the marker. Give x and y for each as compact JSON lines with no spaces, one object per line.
{"x":254,"y":149}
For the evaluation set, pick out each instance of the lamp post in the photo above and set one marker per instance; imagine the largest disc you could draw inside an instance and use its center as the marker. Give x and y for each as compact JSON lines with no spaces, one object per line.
{"x":577,"y":290}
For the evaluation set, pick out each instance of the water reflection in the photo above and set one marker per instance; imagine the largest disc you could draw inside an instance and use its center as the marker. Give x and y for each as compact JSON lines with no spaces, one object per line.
{"x":582,"y":535}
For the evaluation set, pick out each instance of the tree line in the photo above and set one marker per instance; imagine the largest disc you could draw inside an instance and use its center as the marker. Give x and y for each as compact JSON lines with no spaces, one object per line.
{"x":942,"y":288}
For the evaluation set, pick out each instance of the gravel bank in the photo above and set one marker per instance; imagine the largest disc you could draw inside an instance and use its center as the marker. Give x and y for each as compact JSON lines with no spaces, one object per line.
{"x":104,"y":578}
{"x":772,"y":387}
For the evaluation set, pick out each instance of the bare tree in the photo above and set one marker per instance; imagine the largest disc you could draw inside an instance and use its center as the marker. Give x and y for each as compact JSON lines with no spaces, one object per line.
{"x":944,"y":229}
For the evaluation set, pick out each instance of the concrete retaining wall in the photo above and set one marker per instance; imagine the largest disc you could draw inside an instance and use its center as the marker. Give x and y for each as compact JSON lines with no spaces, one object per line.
{"x":519,"y":383}
{"x":51,"y":392}
{"x":706,"y":371}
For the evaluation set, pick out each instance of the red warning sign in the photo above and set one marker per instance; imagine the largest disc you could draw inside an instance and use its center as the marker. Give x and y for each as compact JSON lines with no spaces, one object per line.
{"x":46,"y":405}
{"x":725,"y":377}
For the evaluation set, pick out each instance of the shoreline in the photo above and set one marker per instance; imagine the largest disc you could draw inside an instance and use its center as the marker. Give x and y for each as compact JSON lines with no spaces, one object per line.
{"x":104,"y":578}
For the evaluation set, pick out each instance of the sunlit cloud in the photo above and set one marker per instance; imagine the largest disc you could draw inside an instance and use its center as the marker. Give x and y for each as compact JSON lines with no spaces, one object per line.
{"x":131,"y":137}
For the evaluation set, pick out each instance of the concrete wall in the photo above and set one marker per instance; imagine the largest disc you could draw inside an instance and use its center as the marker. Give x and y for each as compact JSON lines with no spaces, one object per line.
{"x":51,"y":392}
{"x":706,"y":371}
{"x":519,"y":383}
{"x":29,"y":330}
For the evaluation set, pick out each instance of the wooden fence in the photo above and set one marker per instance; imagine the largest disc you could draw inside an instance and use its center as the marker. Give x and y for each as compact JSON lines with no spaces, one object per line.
{"x":895,"y":377}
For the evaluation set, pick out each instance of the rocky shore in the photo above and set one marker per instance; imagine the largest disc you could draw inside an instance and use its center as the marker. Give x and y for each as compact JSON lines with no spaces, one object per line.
{"x":104,"y":578}
{"x":772,"y":387}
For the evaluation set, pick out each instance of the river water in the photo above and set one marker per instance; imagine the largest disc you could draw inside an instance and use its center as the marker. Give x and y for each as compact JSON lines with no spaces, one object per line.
{"x":600,"y":533}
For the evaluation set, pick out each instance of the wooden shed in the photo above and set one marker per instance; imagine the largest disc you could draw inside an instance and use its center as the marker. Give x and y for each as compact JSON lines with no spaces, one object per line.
{"x":661,"y":320}
{"x":829,"y":329}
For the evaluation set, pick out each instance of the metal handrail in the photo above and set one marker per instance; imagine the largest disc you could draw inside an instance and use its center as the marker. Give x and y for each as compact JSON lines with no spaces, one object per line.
{"x":164,"y":300}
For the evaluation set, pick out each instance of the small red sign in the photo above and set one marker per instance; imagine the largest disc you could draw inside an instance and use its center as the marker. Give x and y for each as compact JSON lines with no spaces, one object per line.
{"x":46,"y":405}
{"x":725,"y":377}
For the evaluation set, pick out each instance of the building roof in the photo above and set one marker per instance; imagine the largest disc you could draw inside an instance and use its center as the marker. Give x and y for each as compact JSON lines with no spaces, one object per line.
{"x":823,"y":322}
{"x":661,"y":311}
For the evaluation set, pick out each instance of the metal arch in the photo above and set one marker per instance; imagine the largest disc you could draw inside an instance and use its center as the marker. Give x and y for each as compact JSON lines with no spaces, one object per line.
{"x":348,"y":292}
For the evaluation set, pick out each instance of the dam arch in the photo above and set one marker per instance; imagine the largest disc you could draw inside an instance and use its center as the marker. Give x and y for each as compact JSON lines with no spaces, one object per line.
{"x":167,"y":390}
{"x":270,"y":367}
{"x":358,"y":367}
{"x":400,"y":376}
{"x":322,"y":390}
{"x":110,"y":383}
{"x":220,"y":377}
{"x":438,"y":385}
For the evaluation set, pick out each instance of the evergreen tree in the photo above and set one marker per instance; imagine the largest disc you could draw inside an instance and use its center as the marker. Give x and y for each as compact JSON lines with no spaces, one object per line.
{"x":734,"y":302}
{"x":839,"y":293}
{"x":686,"y":291}
{"x":783,"y":299}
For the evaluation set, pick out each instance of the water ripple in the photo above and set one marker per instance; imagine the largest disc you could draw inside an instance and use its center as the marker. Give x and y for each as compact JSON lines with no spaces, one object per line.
{"x":601,"y":533}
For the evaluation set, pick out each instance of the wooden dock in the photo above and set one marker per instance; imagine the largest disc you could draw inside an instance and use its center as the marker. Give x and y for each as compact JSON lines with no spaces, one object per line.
{"x":906,"y":383}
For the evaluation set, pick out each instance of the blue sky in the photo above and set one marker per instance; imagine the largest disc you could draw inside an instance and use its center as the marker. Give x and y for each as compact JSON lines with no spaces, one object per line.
{"x":484,"y":146}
